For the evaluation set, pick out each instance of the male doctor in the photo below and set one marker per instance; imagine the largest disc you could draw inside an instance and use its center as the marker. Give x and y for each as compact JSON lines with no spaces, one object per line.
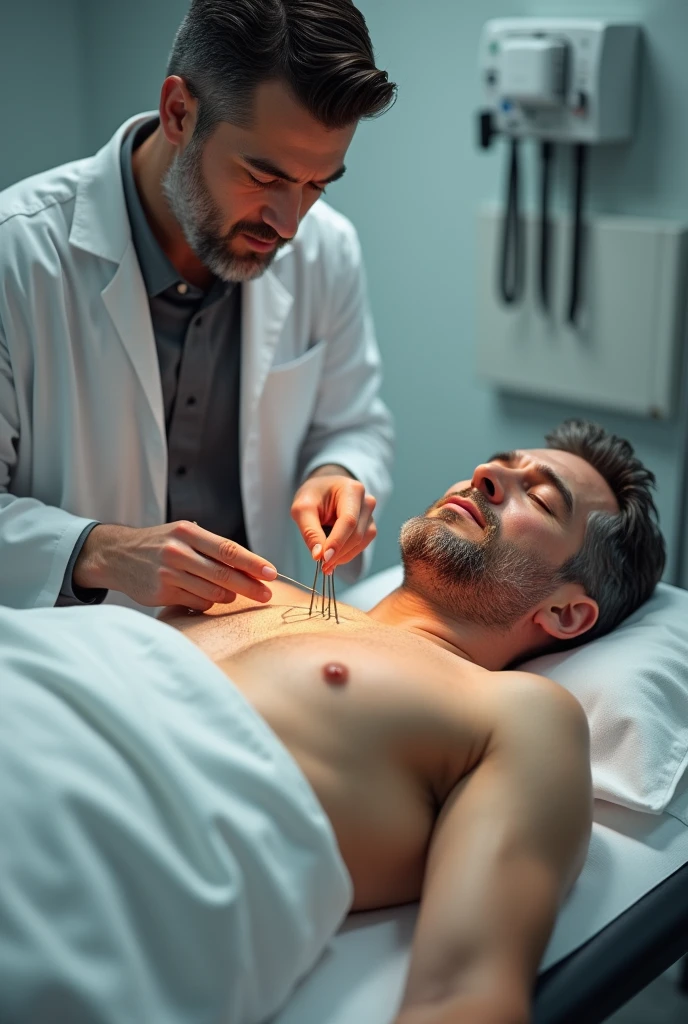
{"x":186,"y":350}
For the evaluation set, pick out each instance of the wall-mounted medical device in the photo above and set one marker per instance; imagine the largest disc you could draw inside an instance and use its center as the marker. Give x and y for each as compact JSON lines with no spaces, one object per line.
{"x":564,"y":80}
{"x":554,"y":80}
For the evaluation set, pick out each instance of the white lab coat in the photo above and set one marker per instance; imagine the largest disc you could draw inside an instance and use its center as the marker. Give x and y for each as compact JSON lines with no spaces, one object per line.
{"x":82,"y":432}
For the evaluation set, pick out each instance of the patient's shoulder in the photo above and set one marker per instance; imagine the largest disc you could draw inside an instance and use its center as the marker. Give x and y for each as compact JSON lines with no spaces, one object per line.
{"x":527,"y":702}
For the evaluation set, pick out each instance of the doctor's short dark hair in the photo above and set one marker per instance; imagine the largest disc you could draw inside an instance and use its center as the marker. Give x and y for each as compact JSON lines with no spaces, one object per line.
{"x":321,"y":49}
{"x":623,"y":554}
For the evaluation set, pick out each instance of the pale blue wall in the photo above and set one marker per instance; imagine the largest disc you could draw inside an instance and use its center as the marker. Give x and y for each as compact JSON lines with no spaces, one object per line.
{"x":414,"y":184}
{"x":41,"y":86}
{"x":126,"y":47}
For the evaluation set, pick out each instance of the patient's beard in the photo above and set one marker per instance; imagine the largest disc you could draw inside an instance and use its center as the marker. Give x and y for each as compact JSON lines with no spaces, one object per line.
{"x":199,"y":218}
{"x":490,"y":582}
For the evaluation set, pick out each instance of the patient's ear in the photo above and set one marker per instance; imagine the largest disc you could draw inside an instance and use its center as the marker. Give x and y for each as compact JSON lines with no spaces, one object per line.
{"x":568,"y":613}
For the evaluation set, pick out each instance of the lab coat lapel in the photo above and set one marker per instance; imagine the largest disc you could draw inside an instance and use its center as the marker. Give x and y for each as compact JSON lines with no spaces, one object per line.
{"x":101,"y":227}
{"x":126,"y":301}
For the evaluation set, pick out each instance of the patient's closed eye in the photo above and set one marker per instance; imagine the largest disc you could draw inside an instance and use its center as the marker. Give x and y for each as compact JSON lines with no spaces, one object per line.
{"x":538,"y":500}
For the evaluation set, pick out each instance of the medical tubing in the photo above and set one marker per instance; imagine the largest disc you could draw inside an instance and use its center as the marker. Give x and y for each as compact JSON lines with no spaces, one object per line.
{"x":512,"y":261}
{"x":579,"y":159}
{"x":546,"y":155}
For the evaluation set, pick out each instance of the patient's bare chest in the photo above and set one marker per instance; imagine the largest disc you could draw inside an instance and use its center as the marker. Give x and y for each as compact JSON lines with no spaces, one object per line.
{"x":381,"y":744}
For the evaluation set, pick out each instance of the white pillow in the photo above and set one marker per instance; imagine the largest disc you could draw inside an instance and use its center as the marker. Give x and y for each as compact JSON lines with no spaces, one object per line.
{"x":633,"y":686}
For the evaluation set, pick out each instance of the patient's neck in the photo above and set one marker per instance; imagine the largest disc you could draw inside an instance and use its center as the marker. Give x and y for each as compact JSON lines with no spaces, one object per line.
{"x":409,"y":610}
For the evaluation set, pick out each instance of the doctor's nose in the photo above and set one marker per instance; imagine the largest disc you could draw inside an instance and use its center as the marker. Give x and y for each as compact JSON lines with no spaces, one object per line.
{"x":489,"y":479}
{"x":284,"y":213}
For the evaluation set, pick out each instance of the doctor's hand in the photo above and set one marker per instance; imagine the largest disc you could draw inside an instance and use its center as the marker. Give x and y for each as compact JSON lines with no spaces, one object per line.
{"x":177,"y":563}
{"x":332,"y":497}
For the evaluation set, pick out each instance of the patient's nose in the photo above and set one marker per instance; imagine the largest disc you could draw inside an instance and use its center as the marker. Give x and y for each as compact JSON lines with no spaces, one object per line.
{"x":489,"y":480}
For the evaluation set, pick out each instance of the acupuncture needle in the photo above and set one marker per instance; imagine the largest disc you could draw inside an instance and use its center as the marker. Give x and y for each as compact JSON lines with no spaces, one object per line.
{"x":296,"y":583}
{"x":312,"y":590}
{"x":315,"y":580}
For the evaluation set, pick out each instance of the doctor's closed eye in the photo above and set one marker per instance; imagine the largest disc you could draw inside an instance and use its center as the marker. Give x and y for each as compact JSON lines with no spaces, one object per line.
{"x":253,"y":165}
{"x":320,"y":189}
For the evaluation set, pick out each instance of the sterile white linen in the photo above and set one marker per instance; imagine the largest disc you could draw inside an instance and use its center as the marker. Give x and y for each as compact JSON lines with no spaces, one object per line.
{"x":163,"y":858}
{"x":633,"y":687}
{"x":362,"y":977}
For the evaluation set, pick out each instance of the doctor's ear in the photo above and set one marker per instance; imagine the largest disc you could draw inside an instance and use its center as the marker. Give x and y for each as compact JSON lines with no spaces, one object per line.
{"x":568,"y":613}
{"x":178,"y":108}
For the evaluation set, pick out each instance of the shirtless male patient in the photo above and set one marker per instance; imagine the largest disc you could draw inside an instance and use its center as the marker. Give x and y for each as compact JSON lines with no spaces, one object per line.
{"x":446,"y":775}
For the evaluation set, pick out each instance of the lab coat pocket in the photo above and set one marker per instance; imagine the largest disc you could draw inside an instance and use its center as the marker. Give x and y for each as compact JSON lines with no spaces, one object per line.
{"x":287,"y":406}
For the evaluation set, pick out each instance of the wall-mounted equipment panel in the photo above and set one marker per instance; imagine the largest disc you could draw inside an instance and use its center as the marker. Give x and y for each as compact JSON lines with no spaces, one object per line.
{"x":624,"y":354}
{"x":561,"y":79}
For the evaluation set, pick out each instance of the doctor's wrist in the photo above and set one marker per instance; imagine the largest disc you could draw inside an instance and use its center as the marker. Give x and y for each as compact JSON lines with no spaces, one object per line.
{"x":331,"y":469}
{"x":93,"y":569}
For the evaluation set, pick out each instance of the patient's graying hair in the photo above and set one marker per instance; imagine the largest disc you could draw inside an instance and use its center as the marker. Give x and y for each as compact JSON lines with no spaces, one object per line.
{"x":320,"y":48}
{"x":622,"y":557}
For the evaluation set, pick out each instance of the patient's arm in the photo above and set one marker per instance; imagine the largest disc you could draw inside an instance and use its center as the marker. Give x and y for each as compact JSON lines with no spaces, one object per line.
{"x":509,"y":843}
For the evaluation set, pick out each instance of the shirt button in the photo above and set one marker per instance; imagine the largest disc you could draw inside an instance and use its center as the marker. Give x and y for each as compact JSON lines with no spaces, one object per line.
{"x":181,"y":471}
{"x":182,"y":288}
{"x":191,"y":400}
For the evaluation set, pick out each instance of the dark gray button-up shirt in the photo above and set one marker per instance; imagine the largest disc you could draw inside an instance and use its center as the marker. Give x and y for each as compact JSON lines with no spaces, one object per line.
{"x":198,"y":341}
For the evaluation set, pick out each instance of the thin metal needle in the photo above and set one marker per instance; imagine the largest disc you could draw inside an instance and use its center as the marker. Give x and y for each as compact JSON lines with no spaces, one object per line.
{"x":315,"y":583}
{"x":295,"y":582}
{"x":334,"y":598}
{"x":328,"y":593}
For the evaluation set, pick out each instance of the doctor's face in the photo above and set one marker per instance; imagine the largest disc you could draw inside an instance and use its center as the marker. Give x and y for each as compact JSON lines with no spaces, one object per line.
{"x":492,"y":546}
{"x":240,"y":193}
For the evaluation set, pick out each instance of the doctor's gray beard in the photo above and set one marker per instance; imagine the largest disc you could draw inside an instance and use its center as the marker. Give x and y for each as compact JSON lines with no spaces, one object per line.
{"x":491,"y":582}
{"x":199,"y":218}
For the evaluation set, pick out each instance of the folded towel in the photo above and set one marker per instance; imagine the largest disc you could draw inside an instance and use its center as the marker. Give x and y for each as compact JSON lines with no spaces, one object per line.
{"x":163,"y":858}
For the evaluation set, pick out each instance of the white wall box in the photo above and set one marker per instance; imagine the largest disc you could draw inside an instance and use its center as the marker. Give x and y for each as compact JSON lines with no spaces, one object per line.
{"x":625,"y":353}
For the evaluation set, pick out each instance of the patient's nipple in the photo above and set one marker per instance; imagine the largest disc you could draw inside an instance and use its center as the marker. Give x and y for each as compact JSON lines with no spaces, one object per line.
{"x":336,"y":673}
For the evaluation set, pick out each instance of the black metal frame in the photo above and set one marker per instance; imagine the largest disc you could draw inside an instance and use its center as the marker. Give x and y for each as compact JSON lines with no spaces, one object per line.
{"x":602,"y":975}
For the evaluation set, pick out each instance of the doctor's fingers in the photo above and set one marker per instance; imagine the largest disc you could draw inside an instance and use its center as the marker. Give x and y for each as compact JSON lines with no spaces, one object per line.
{"x":225,"y":551}
{"x":350,"y":527}
{"x":188,"y":600}
{"x":198,"y":592}
{"x":322,"y":502}
{"x":354,"y":546}
{"x":212,"y":580}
